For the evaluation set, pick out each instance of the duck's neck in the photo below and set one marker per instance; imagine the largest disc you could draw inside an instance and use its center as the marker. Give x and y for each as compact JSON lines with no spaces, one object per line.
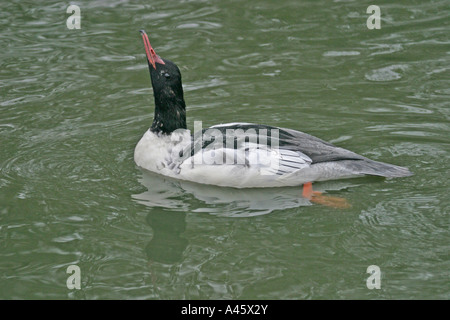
{"x":170,"y":112}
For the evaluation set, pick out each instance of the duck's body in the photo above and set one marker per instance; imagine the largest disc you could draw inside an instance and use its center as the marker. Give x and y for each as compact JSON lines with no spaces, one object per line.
{"x":298,"y":158}
{"x":241,"y":155}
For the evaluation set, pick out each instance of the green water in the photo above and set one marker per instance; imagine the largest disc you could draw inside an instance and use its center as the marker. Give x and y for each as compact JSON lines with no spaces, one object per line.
{"x":74,"y":103}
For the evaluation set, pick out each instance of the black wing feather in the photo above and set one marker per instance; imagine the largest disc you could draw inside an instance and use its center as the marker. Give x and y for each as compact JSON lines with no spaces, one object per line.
{"x":317,"y":149}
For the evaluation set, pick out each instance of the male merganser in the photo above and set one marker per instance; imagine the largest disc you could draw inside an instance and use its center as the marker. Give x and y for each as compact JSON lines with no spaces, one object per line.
{"x":241,"y":155}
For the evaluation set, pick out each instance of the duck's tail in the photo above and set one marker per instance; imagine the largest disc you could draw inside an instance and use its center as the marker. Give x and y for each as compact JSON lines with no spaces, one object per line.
{"x":375,"y":168}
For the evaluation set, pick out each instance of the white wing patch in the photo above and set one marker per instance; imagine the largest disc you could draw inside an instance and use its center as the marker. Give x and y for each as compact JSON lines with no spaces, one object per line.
{"x":231,"y":124}
{"x":262,"y":158}
{"x":287,"y":161}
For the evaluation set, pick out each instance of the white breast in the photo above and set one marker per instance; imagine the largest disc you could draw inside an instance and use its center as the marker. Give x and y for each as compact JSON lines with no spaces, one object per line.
{"x":157,"y":153}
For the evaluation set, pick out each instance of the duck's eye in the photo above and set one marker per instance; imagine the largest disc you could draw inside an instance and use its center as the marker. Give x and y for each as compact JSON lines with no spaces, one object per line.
{"x":165,"y":74}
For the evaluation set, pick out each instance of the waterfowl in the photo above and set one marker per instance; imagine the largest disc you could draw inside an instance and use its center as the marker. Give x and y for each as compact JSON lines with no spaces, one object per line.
{"x":240,"y":155}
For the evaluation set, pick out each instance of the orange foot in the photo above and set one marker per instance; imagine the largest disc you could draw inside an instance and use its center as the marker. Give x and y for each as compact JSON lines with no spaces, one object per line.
{"x":319,"y":198}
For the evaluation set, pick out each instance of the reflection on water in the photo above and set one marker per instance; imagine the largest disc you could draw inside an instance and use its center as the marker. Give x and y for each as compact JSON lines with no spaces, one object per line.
{"x":176,"y":204}
{"x":222,"y":201}
{"x":167,"y":244}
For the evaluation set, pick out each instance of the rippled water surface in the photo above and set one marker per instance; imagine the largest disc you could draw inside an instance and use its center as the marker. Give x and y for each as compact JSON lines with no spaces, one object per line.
{"x":74,"y":103}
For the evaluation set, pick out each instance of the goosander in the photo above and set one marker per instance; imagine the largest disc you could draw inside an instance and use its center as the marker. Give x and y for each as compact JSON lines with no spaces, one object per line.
{"x":240,"y":155}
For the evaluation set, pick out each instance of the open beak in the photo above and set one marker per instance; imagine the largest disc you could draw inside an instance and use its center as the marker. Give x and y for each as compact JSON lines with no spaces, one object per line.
{"x":152,"y":57}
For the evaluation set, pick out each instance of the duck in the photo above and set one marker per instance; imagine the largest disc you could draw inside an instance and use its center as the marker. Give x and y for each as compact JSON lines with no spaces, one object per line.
{"x":239,"y":154}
